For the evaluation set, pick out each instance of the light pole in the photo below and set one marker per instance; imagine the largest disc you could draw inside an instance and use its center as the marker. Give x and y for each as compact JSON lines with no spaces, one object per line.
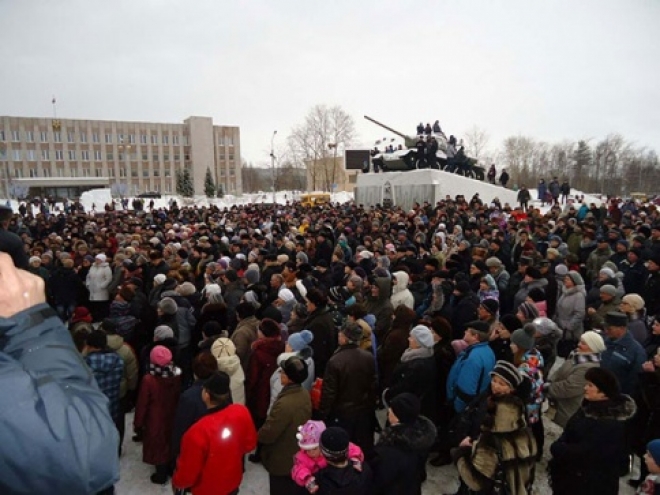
{"x":272,"y":163}
{"x":333,"y":146}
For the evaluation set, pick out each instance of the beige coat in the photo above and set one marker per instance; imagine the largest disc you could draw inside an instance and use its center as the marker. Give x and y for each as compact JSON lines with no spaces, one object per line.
{"x":567,"y":388}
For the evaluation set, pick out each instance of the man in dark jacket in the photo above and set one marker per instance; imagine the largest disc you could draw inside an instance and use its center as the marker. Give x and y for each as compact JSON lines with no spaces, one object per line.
{"x":10,"y":243}
{"x":466,"y":304}
{"x":651,"y":290}
{"x":324,"y":247}
{"x":65,"y":287}
{"x":50,"y":401}
{"x":379,"y":304}
{"x":624,"y":356}
{"x":321,"y":324}
{"x":340,"y":476}
{"x":348,"y":396}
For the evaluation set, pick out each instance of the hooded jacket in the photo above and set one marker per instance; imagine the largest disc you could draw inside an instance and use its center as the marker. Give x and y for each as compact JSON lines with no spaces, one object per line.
{"x":569,"y":315}
{"x":381,"y":306}
{"x":129,"y":378}
{"x":400,"y":292}
{"x":98,"y":280}
{"x":232,"y":366}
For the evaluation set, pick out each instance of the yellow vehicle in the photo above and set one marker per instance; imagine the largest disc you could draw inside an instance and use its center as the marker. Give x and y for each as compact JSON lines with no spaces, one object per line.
{"x":639,"y":196}
{"x":314,"y":199}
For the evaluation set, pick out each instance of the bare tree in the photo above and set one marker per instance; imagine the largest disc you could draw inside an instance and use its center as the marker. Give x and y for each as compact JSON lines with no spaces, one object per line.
{"x":476,"y":141}
{"x":324,"y":135}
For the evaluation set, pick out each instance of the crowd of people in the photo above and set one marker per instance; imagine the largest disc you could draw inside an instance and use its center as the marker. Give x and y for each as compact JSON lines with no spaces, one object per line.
{"x":281,"y":330}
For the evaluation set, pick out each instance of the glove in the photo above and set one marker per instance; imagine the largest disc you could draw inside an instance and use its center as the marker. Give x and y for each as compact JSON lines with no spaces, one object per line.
{"x":311,"y":485}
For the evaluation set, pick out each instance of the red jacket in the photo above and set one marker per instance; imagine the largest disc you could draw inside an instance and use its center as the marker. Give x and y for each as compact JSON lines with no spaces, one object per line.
{"x":212,"y":450}
{"x":261,"y":366}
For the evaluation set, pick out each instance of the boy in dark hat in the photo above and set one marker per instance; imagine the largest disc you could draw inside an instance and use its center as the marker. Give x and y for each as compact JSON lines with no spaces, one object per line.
{"x":340,"y":476}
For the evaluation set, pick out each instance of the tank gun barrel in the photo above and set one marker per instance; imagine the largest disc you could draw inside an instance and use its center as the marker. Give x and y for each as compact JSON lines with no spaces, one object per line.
{"x":400,"y":134}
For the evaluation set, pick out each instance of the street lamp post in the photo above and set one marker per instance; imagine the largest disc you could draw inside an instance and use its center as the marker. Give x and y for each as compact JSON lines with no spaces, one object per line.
{"x":333,"y":146}
{"x":272,"y":163}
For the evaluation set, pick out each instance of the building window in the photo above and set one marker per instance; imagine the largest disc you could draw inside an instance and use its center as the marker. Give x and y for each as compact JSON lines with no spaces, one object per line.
{"x":60,"y":172}
{"x":155,"y":157}
{"x":143,"y":138}
{"x":231,"y":158}
{"x":33,"y":172}
{"x":74,"y":172}
{"x":69,"y":137}
{"x":44,"y":136}
{"x":83,"y":137}
{"x":18,"y":173}
{"x":175,"y":139}
{"x":166,"y":157}
{"x":168,"y":172}
{"x":222,"y":172}
{"x":45,"y":155}
{"x":86,"y":172}
{"x":131,"y":139}
{"x":232,"y":172}
{"x":111,"y":171}
{"x":154,"y":139}
{"x":57,"y":137}
{"x":2,"y":135}
{"x":3,"y":154}
{"x":72,"y":154}
{"x":15,"y":136}
{"x":177,"y":158}
{"x":122,"y":172}
{"x":17,"y":155}
{"x":30,"y":155}
{"x":110,"y":156}
{"x":168,"y":187}
{"x":85,"y":156}
{"x":145,"y":172}
{"x":95,"y":137}
{"x":185,"y":140}
{"x":46,"y":172}
{"x":120,"y":138}
{"x":97,"y":156}
{"x":108,"y":138}
{"x":156,"y":173}
{"x":166,"y":139}
{"x":134,"y":173}
{"x":59,"y":155}
{"x":29,"y":136}
{"x":145,"y":157}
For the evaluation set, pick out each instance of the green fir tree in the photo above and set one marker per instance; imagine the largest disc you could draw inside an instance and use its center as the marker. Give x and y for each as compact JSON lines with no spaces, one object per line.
{"x":184,"y":184}
{"x":209,"y":186}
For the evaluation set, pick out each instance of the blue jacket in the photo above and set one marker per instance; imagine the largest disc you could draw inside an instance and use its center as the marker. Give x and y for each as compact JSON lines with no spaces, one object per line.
{"x":55,"y":426}
{"x":469,"y":375}
{"x":624,"y":357}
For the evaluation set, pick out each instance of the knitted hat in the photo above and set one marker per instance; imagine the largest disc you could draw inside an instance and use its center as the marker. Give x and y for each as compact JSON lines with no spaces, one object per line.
{"x":101,"y":257}
{"x":163,"y":332}
{"x":604,"y":380}
{"x":575,"y":277}
{"x":296,"y":369}
{"x":423,"y":336}
{"x":529,"y":310}
{"x":160,"y":356}
{"x":608,"y":289}
{"x":186,"y":289}
{"x":159,"y":279}
{"x":594,"y":341}
{"x":168,"y":306}
{"x":81,"y":313}
{"x":616,"y":319}
{"x":285,"y":295}
{"x":524,"y":337}
{"x":653,"y":448}
{"x":634,"y":300}
{"x":608,"y":272}
{"x":553,"y":251}
{"x":252,"y":277}
{"x":223,"y":347}
{"x":491,"y":305}
{"x":298,"y":341}
{"x":511,"y":322}
{"x":561,"y":270}
{"x":480,"y":327}
{"x":309,"y":434}
{"x":218,"y":383}
{"x":270,"y":328}
{"x":352,"y":332}
{"x":406,"y":407}
{"x":34,"y":259}
{"x":334,"y":444}
{"x":507,"y":372}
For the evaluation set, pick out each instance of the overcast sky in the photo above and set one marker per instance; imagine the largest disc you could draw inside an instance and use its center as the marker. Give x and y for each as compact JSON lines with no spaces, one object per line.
{"x":549,"y":69}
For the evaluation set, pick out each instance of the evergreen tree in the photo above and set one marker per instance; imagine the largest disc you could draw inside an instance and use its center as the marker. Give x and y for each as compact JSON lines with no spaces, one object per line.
{"x":179,"y":182}
{"x":583,"y":159}
{"x":209,"y":186}
{"x":221,"y":191}
{"x":184,"y":184}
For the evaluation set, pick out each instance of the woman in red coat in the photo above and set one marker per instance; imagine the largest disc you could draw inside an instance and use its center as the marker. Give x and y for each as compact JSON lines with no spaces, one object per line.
{"x":155,"y":411}
{"x":261,"y":366}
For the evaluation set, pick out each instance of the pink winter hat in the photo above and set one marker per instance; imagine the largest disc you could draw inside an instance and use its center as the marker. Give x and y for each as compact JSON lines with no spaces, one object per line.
{"x":160,"y":356}
{"x":309,"y":434}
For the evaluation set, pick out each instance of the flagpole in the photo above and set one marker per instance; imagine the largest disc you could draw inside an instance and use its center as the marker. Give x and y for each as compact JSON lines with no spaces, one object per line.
{"x":54,"y":108}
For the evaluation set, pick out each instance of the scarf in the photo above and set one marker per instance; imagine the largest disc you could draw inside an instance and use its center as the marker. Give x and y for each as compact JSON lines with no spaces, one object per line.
{"x":579,"y":358}
{"x":411,"y":354}
{"x":163,"y":371}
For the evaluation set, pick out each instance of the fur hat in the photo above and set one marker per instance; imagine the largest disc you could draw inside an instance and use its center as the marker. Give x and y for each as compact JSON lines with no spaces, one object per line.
{"x":163,"y":332}
{"x":423,"y":336}
{"x":186,"y":289}
{"x":269,"y":328}
{"x":168,"y":306}
{"x":406,"y":407}
{"x":352,"y":332}
{"x":594,"y":341}
{"x":604,"y":380}
{"x":309,"y":434}
{"x":295,"y":369}
{"x":524,"y":337}
{"x":635,"y":301}
{"x":493,"y":261}
{"x":507,"y":372}
{"x":160,"y":356}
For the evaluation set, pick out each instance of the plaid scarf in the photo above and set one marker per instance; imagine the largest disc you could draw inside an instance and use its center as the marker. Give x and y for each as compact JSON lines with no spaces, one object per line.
{"x":164,"y":371}
{"x":579,"y":358}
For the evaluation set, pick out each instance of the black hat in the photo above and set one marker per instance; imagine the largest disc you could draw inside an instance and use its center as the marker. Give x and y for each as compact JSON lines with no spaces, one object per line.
{"x":478,"y":326}
{"x":491,"y":305}
{"x":463,"y":287}
{"x":5,"y":212}
{"x":481,"y":266}
{"x":334,"y":444}
{"x":511,"y":322}
{"x":616,"y":319}
{"x":525,"y":261}
{"x":137,"y":282}
{"x":109,"y":326}
{"x":270,"y":328}
{"x":296,"y":369}
{"x":533,"y":272}
{"x":322,"y":264}
{"x":406,"y":407}
{"x":97,"y":339}
{"x":604,"y":380}
{"x":218,"y":383}
{"x":508,"y":372}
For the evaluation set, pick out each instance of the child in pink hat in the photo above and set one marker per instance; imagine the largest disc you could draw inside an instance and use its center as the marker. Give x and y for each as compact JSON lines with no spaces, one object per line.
{"x":309,"y":459}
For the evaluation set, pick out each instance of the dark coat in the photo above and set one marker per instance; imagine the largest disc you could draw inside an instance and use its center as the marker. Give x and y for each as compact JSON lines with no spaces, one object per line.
{"x":154,"y":415}
{"x":64,"y":286}
{"x":381,"y":306}
{"x":191,"y":407}
{"x":593,"y":438}
{"x":401,"y":453}
{"x":390,"y":351}
{"x":465,"y":311}
{"x":651,"y":293}
{"x":419,"y":377}
{"x":261,"y":366}
{"x":344,"y":481}
{"x":321,"y":324}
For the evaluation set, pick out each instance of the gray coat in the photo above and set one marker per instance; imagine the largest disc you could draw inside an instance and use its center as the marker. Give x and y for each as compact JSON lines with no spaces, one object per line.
{"x":567,"y":387}
{"x":569,"y":315}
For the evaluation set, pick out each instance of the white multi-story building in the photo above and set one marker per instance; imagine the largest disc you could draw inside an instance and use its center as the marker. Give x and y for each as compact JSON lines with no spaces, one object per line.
{"x":63,"y":157}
